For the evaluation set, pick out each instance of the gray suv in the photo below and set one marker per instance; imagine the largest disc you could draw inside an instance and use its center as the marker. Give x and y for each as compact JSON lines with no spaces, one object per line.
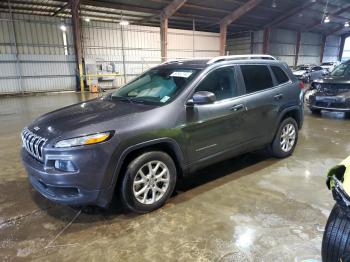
{"x":170,"y":121}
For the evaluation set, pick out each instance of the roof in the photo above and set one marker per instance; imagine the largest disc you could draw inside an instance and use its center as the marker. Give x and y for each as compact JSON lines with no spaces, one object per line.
{"x":304,"y":15}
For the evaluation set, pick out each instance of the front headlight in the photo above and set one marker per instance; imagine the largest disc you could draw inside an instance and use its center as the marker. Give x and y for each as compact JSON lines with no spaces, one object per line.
{"x":84,"y":140}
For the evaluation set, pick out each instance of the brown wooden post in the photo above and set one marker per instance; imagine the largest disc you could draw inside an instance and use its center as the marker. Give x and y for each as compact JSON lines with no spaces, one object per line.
{"x":297,"y":48}
{"x":223,"y":33}
{"x":75,"y":5}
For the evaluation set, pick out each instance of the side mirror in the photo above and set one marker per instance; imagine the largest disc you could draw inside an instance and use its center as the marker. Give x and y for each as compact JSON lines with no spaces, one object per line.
{"x":202,"y":98}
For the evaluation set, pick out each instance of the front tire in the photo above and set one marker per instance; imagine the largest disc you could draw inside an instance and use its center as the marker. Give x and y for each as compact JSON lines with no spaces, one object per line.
{"x":285,"y":139}
{"x":315,"y":111}
{"x":336,"y":238}
{"x":148,"y":182}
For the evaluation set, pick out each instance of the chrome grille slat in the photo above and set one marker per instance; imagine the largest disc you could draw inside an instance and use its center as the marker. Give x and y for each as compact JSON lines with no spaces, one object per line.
{"x":33,"y":143}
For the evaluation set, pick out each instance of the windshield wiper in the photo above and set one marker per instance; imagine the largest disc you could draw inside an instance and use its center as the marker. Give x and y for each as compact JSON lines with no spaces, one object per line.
{"x":122,"y":98}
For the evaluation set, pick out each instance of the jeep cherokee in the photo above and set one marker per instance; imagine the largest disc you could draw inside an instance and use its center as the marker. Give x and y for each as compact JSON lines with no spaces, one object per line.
{"x":173,"y":119}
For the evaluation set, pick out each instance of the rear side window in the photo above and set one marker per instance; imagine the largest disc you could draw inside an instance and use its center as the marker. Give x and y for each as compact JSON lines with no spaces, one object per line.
{"x":256,"y":77}
{"x":280,"y":75}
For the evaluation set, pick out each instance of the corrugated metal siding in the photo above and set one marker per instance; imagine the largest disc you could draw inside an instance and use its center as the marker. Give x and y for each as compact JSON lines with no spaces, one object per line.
{"x":282,"y":45}
{"x":239,"y":45}
{"x":258,"y":39}
{"x":331,"y":50}
{"x":310,"y":48}
{"x":41,"y":63}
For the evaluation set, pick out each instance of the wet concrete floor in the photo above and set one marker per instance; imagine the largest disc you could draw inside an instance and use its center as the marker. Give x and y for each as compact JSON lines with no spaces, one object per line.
{"x":250,"y":208}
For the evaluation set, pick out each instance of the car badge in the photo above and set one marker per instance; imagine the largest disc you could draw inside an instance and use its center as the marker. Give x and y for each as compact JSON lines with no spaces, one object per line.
{"x":36,"y":128}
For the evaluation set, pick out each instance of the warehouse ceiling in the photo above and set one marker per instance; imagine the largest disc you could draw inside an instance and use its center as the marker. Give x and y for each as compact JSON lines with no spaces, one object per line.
{"x":303,"y":15}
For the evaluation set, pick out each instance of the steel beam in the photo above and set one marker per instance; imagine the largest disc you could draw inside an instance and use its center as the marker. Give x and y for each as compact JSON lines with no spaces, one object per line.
{"x":323,"y":45}
{"x":297,"y":48}
{"x":223,"y":34}
{"x":75,"y":5}
{"x":341,"y":47}
{"x":164,"y":38}
{"x":60,"y":10}
{"x":266,"y":40}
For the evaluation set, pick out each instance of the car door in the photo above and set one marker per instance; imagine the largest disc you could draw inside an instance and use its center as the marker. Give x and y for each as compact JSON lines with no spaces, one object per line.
{"x":213,"y":129}
{"x":263,"y":102}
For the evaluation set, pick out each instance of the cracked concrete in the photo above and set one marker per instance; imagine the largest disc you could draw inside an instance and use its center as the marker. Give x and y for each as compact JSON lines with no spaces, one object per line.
{"x":249,"y":208}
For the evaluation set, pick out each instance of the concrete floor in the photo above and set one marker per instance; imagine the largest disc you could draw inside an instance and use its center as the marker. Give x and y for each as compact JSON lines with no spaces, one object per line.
{"x":250,"y":208}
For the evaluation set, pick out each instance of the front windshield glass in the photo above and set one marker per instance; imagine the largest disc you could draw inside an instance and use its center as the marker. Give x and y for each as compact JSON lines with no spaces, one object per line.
{"x":303,"y":68}
{"x":156,"y":86}
{"x":341,"y":70}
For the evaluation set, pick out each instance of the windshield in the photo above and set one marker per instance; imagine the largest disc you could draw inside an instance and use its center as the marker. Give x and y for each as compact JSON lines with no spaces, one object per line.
{"x":341,"y":70}
{"x":303,"y":68}
{"x":156,"y":86}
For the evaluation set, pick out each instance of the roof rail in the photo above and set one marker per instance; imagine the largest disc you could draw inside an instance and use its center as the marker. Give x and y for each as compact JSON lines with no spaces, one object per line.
{"x":177,"y":60}
{"x":239,"y":57}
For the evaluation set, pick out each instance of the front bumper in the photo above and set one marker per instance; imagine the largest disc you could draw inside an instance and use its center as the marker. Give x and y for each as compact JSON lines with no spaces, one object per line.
{"x":338,"y":104}
{"x":82,"y":187}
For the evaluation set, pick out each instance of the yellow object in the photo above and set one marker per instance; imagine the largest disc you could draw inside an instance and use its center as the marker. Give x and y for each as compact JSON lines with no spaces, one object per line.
{"x":96,"y":139}
{"x":81,"y":78}
{"x":342,"y":173}
{"x":346,"y":182}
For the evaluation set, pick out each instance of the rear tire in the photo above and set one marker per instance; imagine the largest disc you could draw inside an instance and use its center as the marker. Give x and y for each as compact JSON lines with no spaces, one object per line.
{"x":336,"y":238}
{"x":285,"y":139}
{"x":148,"y":182}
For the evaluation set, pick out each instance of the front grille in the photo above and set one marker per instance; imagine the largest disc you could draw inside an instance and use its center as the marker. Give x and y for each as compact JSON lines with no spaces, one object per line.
{"x":331,"y":105}
{"x":33,"y":143}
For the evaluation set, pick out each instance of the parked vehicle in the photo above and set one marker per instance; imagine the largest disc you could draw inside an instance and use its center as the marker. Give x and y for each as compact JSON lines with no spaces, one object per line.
{"x":332,"y":93}
{"x":329,"y":66}
{"x":336,"y":238}
{"x":308,"y":73}
{"x":173,"y":119}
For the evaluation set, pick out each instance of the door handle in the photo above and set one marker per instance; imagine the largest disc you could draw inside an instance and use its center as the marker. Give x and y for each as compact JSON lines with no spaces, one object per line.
{"x":278,"y":97}
{"x":237,"y":107}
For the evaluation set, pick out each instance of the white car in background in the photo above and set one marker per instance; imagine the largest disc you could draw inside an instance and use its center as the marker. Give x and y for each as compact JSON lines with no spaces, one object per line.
{"x":329,"y":66}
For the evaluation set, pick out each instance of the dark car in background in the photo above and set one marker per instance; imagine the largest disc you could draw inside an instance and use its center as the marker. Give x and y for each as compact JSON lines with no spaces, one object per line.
{"x":308,"y":73}
{"x":332,"y":93}
{"x":173,"y":119}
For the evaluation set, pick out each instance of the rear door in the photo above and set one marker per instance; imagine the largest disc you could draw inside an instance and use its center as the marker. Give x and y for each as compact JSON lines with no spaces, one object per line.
{"x":265,"y":97}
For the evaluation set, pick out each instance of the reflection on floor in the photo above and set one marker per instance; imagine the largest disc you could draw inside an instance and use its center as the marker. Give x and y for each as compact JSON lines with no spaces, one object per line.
{"x":250,"y":208}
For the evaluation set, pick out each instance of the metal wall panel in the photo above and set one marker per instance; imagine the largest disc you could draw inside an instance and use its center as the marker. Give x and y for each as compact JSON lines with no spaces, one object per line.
{"x":331,"y":50}
{"x":282,"y":45}
{"x":310,"y":48}
{"x":39,"y":62}
{"x":239,"y":45}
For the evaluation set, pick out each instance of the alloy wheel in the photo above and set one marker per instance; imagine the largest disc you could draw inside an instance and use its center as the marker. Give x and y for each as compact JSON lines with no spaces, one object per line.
{"x":151,"y":182}
{"x":288,"y":136}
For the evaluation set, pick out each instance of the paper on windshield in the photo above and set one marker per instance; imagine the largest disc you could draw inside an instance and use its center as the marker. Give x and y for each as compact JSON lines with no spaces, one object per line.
{"x":184,"y":74}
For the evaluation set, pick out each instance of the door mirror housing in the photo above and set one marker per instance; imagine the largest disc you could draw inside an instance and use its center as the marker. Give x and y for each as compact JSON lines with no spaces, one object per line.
{"x":202,"y":98}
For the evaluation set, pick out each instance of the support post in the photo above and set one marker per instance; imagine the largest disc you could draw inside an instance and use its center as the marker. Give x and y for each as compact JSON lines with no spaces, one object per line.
{"x":297,"y":48}
{"x":251,"y":42}
{"x":75,"y":5}
{"x":323,"y":44}
{"x":223,"y":34}
{"x":266,"y":43}
{"x":341,"y":47}
{"x":164,"y":38}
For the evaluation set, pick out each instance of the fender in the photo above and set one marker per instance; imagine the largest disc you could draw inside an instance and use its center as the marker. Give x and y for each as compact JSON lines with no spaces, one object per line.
{"x":169,"y":141}
{"x":284,"y":111}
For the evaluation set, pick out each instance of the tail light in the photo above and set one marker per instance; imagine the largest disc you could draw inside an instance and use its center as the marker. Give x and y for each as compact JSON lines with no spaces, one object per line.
{"x":301,"y":85}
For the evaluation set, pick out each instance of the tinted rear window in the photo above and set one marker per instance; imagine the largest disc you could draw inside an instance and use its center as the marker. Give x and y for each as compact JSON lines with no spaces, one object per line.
{"x":256,"y":77}
{"x":280,"y":75}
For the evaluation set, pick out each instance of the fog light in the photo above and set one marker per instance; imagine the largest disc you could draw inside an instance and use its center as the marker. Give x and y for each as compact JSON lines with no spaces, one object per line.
{"x":65,"y":165}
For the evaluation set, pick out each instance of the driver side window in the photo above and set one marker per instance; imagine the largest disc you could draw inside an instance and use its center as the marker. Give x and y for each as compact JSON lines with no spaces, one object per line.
{"x":221,"y":82}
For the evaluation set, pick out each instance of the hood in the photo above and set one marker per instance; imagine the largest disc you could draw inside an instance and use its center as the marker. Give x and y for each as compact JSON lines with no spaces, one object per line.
{"x":299,"y":72}
{"x":84,"y":114}
{"x":334,"y":80}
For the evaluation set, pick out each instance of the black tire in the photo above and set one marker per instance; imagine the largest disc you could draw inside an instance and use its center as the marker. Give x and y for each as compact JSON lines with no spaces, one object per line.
{"x":347,"y":115}
{"x":275,"y":147}
{"x":336,"y":238}
{"x":128,"y":198}
{"x":315,"y":111}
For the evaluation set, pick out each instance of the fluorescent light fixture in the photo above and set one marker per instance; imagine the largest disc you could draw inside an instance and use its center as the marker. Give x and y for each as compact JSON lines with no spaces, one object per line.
{"x":124,"y":22}
{"x":63,"y":28}
{"x":326,"y":19}
{"x":87,"y":19}
{"x":346,"y":24}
